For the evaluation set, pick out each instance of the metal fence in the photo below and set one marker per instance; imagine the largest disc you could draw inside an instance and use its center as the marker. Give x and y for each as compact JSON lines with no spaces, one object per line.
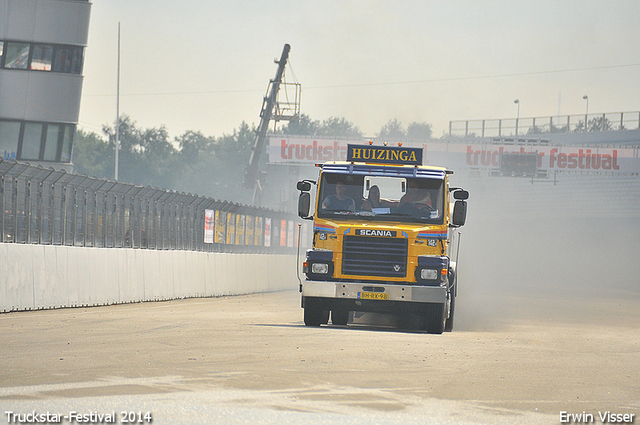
{"x":545,"y":125}
{"x":53,"y":207}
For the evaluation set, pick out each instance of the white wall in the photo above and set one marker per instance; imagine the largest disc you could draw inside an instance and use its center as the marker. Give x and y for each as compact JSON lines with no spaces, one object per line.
{"x":44,"y":276}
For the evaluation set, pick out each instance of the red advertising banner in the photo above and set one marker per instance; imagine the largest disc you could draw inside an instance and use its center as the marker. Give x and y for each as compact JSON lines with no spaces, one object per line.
{"x":581,"y":158}
{"x":310,"y":151}
{"x":598,"y":158}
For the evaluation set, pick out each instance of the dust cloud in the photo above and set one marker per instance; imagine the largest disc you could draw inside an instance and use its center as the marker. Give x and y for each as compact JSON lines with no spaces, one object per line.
{"x":527,"y":245}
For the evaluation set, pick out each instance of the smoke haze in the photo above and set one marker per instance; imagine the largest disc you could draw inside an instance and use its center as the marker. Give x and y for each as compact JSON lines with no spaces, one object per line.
{"x":530,"y":244}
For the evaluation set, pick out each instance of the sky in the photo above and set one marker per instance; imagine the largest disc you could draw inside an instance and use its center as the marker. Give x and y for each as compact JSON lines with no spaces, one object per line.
{"x":204,"y":65}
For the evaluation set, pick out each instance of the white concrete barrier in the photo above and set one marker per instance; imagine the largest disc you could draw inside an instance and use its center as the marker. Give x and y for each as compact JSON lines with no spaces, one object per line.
{"x":45,"y":276}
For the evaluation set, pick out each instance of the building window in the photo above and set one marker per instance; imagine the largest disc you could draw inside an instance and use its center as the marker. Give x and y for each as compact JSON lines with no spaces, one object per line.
{"x":36,"y":141}
{"x":17,"y":56}
{"x":9,"y":137}
{"x":51,"y":142}
{"x":68,"y":59}
{"x":67,"y":143}
{"x":42,"y":57}
{"x":31,"y":141}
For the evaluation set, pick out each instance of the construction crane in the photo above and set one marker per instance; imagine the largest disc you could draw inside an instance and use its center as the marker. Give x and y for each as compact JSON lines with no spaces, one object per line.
{"x":272,"y":109}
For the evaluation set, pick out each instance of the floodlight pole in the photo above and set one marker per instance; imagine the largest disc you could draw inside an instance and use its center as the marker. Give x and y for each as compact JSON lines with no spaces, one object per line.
{"x":586,"y":112}
{"x":517,"y":102}
{"x":115,"y":174}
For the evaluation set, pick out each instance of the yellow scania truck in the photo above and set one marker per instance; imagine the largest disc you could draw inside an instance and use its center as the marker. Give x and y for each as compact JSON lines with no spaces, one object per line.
{"x":383,"y":226}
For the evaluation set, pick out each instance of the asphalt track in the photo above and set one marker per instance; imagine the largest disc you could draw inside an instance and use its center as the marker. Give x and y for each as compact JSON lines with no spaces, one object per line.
{"x":250,"y":359}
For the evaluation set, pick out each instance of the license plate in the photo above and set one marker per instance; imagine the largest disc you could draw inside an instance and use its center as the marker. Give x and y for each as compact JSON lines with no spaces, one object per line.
{"x":373,"y":295}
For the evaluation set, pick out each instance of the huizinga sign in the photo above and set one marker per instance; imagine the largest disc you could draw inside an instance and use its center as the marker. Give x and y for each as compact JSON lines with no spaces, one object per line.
{"x":384,"y":154}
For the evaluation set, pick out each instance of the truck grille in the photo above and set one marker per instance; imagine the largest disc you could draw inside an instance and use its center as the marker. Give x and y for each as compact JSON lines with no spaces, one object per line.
{"x":371,"y":256}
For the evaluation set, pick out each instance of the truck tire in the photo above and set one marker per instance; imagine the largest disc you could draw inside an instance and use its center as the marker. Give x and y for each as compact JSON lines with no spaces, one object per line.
{"x":412,"y":322}
{"x":314,"y":315}
{"x":448,"y":327}
{"x":339,"y":317}
{"x":436,"y":319}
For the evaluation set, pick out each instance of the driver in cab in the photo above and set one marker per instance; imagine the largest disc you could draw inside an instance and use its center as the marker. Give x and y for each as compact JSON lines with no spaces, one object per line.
{"x":416,"y":195}
{"x":340,"y":201}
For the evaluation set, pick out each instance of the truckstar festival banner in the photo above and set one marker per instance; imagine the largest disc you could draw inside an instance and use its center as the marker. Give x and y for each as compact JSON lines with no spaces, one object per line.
{"x":459,"y":155}
{"x":576,"y":158}
{"x":307,"y":151}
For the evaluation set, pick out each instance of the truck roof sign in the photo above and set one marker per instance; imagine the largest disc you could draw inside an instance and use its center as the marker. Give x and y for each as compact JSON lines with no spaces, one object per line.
{"x":384,"y":154}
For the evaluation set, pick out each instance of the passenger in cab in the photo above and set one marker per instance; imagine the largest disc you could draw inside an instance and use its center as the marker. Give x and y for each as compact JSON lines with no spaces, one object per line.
{"x":373,"y":200}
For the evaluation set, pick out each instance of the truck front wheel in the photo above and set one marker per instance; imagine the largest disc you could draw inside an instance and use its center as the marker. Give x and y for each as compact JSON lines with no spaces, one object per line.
{"x":436,"y":318}
{"x":314,"y":315}
{"x":448,"y":327}
{"x":339,"y":317}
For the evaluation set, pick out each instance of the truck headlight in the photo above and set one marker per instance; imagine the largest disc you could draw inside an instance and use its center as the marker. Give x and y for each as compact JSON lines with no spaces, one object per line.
{"x":429,"y":274}
{"x":319,"y":268}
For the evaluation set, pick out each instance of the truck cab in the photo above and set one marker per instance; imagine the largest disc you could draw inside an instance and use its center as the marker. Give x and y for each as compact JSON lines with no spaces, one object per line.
{"x":382,"y":230}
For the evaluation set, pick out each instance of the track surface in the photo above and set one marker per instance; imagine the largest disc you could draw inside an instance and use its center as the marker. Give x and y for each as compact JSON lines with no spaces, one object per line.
{"x":250,"y":359}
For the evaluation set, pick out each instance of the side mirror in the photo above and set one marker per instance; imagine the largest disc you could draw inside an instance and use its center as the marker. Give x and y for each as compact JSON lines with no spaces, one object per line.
{"x":461,"y":194}
{"x":304,"y":202}
{"x":303,"y":186}
{"x":459,"y":213}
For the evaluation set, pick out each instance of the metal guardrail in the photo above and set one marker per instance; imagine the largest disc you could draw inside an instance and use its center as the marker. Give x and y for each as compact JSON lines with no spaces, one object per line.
{"x":53,"y":207}
{"x":544,"y":125}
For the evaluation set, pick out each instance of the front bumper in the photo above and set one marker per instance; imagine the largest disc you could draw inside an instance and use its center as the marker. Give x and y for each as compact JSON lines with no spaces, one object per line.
{"x":353,"y":291}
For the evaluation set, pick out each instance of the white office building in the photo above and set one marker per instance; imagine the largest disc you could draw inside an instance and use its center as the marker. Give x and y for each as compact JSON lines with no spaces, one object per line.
{"x":42,"y":45}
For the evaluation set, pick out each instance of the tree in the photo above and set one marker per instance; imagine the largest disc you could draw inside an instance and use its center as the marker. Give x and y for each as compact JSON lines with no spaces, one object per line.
{"x":600,"y":124}
{"x":332,"y":127}
{"x":559,"y":129}
{"x":338,"y":127}
{"x":206,"y":165}
{"x":195,"y":163}
{"x":536,"y":130}
{"x":302,"y":125}
{"x":190,"y":163}
{"x":192,"y":145}
{"x":419,"y":131}
{"x":231,"y":156}
{"x":392,"y":130}
{"x":146,"y":156}
{"x":92,"y":156}
{"x":596,"y":124}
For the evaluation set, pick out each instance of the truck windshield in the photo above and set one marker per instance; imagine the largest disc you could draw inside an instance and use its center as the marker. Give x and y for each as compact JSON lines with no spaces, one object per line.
{"x":415,"y":200}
